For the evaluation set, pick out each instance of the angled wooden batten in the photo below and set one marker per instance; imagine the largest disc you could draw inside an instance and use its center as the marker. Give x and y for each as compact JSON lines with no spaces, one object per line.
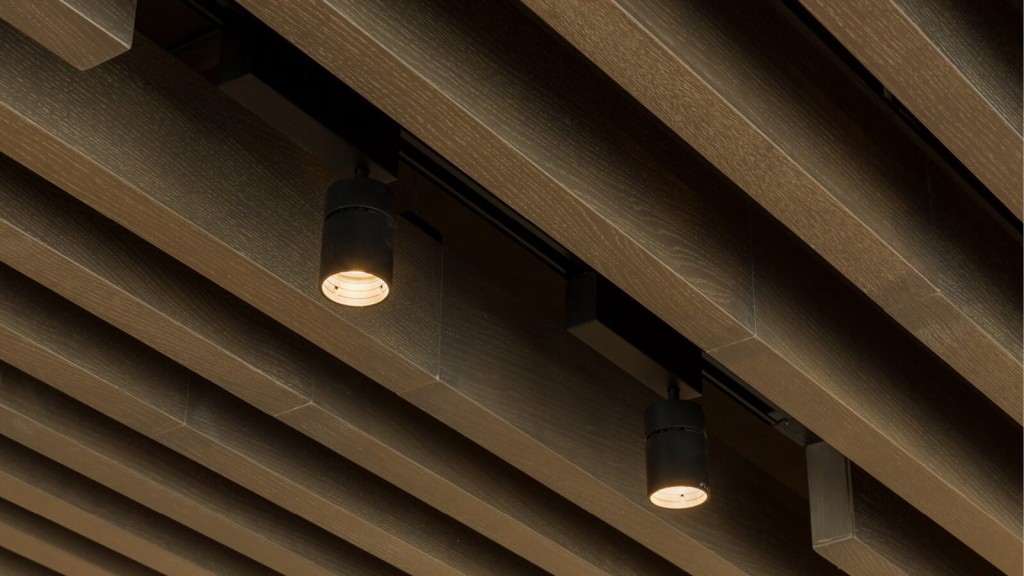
{"x":39,"y":331}
{"x":778,"y":114}
{"x":11,"y":563}
{"x":956,"y":65}
{"x":657,"y":220}
{"x":140,"y":290}
{"x":863,"y":528}
{"x":597,"y":462}
{"x":84,"y":33}
{"x":56,"y":426}
{"x":60,"y":549}
{"x":68,"y":499}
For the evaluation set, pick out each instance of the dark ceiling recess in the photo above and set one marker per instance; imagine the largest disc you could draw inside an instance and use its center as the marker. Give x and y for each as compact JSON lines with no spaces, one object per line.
{"x":250,"y":48}
{"x":901,"y":111}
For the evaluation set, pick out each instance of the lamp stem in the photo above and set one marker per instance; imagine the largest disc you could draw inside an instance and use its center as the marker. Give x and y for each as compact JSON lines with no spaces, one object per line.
{"x":673,"y":390}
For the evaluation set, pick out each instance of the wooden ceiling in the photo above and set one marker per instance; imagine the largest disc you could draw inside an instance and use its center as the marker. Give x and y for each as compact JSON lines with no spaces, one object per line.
{"x":824,"y":197}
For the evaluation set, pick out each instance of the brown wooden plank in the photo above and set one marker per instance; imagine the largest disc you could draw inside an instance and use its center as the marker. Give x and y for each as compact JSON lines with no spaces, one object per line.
{"x":52,"y":424}
{"x":862,"y":527}
{"x":956,"y":66}
{"x":881,"y":403}
{"x":315,"y":483}
{"x":15,"y":565}
{"x":185,"y":215}
{"x":68,"y":499}
{"x":770,"y":107}
{"x":491,"y":129}
{"x":60,"y":549}
{"x":82,"y":32}
{"x":154,"y":298}
{"x":246,"y":446}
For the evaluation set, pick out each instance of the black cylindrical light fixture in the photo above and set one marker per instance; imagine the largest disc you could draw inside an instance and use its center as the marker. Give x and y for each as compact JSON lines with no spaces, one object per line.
{"x":357,"y":249}
{"x":677,"y":453}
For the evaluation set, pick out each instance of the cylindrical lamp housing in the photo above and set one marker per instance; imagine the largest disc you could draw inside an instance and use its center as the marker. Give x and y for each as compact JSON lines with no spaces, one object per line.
{"x":677,"y":454}
{"x":357,"y":250}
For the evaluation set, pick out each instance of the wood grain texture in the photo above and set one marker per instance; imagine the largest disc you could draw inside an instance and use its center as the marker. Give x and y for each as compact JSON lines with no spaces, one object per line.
{"x":257,"y":249}
{"x":106,"y":368}
{"x":66,"y":431}
{"x":956,"y":66}
{"x":84,"y":33}
{"x":862,"y":527}
{"x":167,"y":306}
{"x":878,"y":405}
{"x":546,"y":402}
{"x":60,"y":549}
{"x":71,"y":500}
{"x":777,"y":113}
{"x":377,"y":51}
{"x":315,"y":483}
{"x":11,"y":563}
{"x":263,"y":455}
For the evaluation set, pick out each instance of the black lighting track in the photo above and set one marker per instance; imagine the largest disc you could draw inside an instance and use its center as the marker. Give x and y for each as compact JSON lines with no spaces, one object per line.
{"x":487,"y":206}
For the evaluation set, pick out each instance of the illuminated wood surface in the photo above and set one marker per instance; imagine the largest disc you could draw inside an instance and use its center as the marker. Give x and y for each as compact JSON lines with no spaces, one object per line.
{"x":54,"y":425}
{"x":84,"y":33}
{"x":67,"y":498}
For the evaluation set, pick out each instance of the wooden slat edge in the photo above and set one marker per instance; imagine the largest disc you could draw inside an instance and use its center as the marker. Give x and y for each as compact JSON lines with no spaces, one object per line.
{"x":52,"y":424}
{"x":84,"y":33}
{"x":68,"y":499}
{"x":60,"y":549}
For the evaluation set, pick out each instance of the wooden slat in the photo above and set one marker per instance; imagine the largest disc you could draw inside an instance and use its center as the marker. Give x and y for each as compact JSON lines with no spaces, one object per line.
{"x":63,"y":244}
{"x":60,"y":549}
{"x":52,"y":424}
{"x":766,"y":103}
{"x":82,"y":32}
{"x":68,"y":499}
{"x":15,"y":565}
{"x":862,"y":527}
{"x":956,"y":65}
{"x":306,"y":478}
{"x":242,"y":444}
{"x":549,"y":139}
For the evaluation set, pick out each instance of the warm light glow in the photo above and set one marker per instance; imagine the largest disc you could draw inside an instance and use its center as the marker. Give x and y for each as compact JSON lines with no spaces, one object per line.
{"x":679,"y":497}
{"x":355,"y":288}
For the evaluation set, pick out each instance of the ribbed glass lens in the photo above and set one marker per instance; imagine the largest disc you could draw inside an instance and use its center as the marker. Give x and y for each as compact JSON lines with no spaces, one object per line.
{"x":679,"y":497}
{"x":355,"y":288}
